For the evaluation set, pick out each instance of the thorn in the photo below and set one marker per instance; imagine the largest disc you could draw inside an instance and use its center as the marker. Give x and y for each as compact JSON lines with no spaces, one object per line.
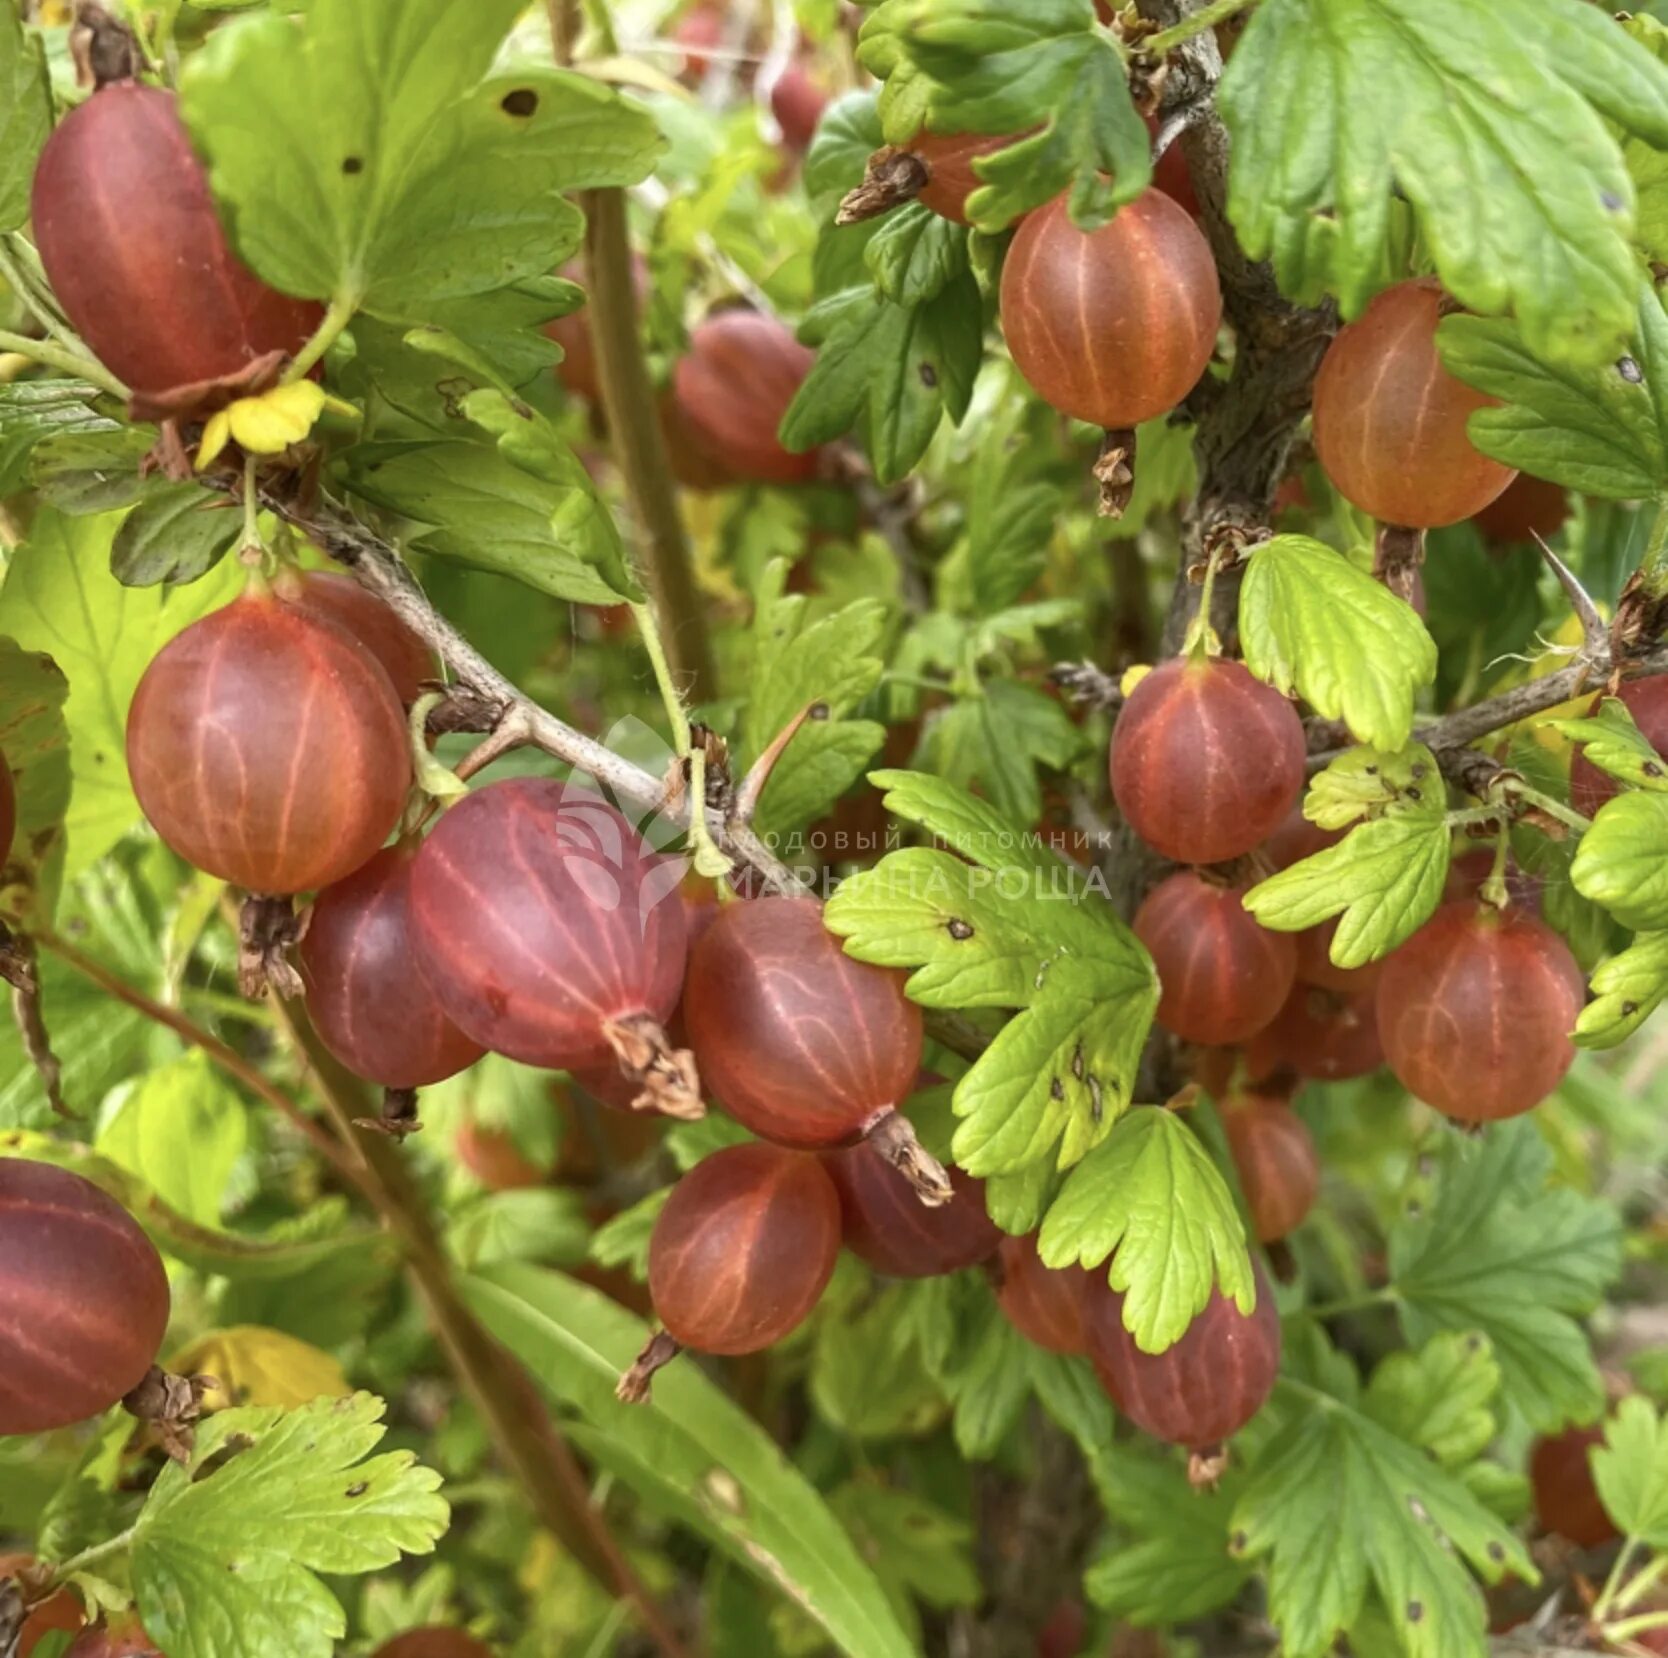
{"x":1595,"y":633}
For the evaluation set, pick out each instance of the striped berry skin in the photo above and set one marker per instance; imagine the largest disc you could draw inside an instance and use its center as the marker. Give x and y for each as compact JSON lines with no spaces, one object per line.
{"x":367,"y":1000}
{"x":340,"y":599}
{"x":1318,"y":1034}
{"x":1114,"y":327}
{"x":887,"y":1225}
{"x":1221,"y":977}
{"x":1475,"y":1011}
{"x":734,"y":385}
{"x":8,"y":810}
{"x":83,"y":1299}
{"x":1274,"y":1154}
{"x":140,"y":263}
{"x":541,"y":917}
{"x":267,"y":747}
{"x":798,"y":1042}
{"x":1390,"y":419}
{"x":1566,"y":1495}
{"x":1202,"y":1390}
{"x":949,"y":158}
{"x":1206,"y":760}
{"x":1045,"y":1304}
{"x":744,"y":1248}
{"x":1647,"y":701}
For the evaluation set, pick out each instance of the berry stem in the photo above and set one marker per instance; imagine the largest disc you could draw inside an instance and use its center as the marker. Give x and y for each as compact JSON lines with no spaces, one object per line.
{"x":36,"y":297}
{"x":51,"y":355}
{"x":1361,"y":1303}
{"x":1614,"y":1582}
{"x":336,"y":318}
{"x":91,"y":1557}
{"x":637,"y":1384}
{"x":893,"y":1136}
{"x":1219,"y":11}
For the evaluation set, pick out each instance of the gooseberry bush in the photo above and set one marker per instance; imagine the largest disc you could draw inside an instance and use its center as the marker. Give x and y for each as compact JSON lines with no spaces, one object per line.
{"x":833,"y":828}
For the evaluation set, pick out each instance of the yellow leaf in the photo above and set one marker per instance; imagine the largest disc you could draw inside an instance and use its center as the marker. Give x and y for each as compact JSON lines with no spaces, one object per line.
{"x":216,"y":435}
{"x":270,"y":423}
{"x":258,"y":1366}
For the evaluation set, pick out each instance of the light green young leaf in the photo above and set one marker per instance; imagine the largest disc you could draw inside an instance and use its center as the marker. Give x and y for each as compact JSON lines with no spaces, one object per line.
{"x":365,"y":157}
{"x":1151,"y":1194}
{"x":691,"y":1451}
{"x":540,"y":1223}
{"x":35,"y":742}
{"x":1337,"y":106}
{"x":1647,"y":165}
{"x":1612,"y":742}
{"x":1314,"y":626}
{"x":1631,"y":1471}
{"x":1626,"y":990}
{"x":1622,"y":862}
{"x":1384,"y":879}
{"x":1488,"y":1245}
{"x":1364,"y":783}
{"x":623,"y":1240}
{"x":1339,"y":1505}
{"x":1598,"y":428}
{"x":25,"y":115}
{"x":1440,"y":1398}
{"x":238,"y":1538}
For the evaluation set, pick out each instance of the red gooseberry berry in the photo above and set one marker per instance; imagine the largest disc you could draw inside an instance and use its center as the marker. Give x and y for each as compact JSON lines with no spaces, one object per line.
{"x":129,"y":238}
{"x":1045,"y":1304}
{"x":1647,"y":701}
{"x":83,"y":1299}
{"x":551,"y":932}
{"x":800,"y":1042}
{"x":1566,"y":1495}
{"x":1204,"y":1388}
{"x":1528,"y":507}
{"x":578,"y":367}
{"x":338,"y":598}
{"x":122,"y":1639}
{"x":1296,"y":839}
{"x":797,"y":100}
{"x":60,"y":1611}
{"x":948,"y":158}
{"x":8,"y":810}
{"x":434,"y":1642}
{"x":1475,"y":1011}
{"x":885,"y":1224}
{"x":495,"y":1160}
{"x":1113,"y":326}
{"x":1274,"y":1155}
{"x":369,"y":1003}
{"x":734,"y":385}
{"x":699,"y":31}
{"x":1206,"y":759}
{"x":740,"y":1254}
{"x":267,"y":747}
{"x":1321,"y":1034}
{"x":1221,"y":976}
{"x":1390,"y":419}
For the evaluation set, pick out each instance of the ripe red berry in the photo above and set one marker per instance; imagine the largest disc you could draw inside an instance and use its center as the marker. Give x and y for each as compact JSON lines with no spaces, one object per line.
{"x":1206,"y":760}
{"x":551,"y":932}
{"x":1116,"y":326}
{"x":1647,"y":701}
{"x":128,"y":235}
{"x":267,"y":747}
{"x":797,"y":1041}
{"x":734,"y":385}
{"x":1275,"y":1156}
{"x":1221,"y":976}
{"x":8,"y":810}
{"x":886,"y":1224}
{"x":369,"y":1003}
{"x":1566,"y":1496}
{"x":578,"y":367}
{"x":1045,"y":1304}
{"x":340,"y":599}
{"x":1206,"y":1387}
{"x":1528,"y":507}
{"x":1390,"y":419}
{"x":60,"y":1611}
{"x":1320,"y":1034}
{"x":122,"y":1639}
{"x":797,"y":101}
{"x":1475,"y":1011}
{"x":744,"y":1248}
{"x":434,"y":1643}
{"x":83,"y":1299}
{"x":1296,"y":839}
{"x":699,"y":30}
{"x":948,"y":158}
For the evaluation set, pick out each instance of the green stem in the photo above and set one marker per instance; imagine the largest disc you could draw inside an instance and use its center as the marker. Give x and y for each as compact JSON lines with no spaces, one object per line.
{"x":709,"y":859}
{"x":1553,"y":808}
{"x":99,"y":1551}
{"x":677,"y":715}
{"x":53,"y":355}
{"x":1219,"y":11}
{"x":251,"y":507}
{"x":1494,"y":888}
{"x":1361,"y":1303}
{"x":1656,"y":549}
{"x":1617,"y":1577}
{"x":1640,"y":1584}
{"x":22,"y":283}
{"x":1201,"y":637}
{"x":325,"y":335}
{"x":1629,"y":1627}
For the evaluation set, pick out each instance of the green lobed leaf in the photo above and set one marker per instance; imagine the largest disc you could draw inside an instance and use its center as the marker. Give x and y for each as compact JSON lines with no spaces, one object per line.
{"x":32,"y":411}
{"x":690,"y":1451}
{"x":869,"y":1377}
{"x":364,"y":157}
{"x":1366,"y":783}
{"x":918,"y":1549}
{"x":1150,"y":1197}
{"x":1620,"y":862}
{"x":1314,"y":626}
{"x":1647,"y":164}
{"x":1489,"y":121}
{"x":1626,"y":990}
{"x":1440,"y":1398}
{"x":1613,"y":743}
{"x":229,"y":1548}
{"x":915,"y":254}
{"x":1339,"y":1506}
{"x":1489,"y":1245}
{"x":25,"y":115}
{"x":1600,"y":428}
{"x":1383,"y":880}
{"x":34,"y":741}
{"x":1000,"y":738}
{"x":1630,"y":1470}
{"x":177,"y":532}
{"x":540,"y":1223}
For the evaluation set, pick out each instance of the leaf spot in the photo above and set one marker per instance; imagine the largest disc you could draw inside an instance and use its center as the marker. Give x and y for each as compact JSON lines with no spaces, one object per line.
{"x":958,"y":929}
{"x":520,"y":103}
{"x":352,"y":165}
{"x":929,"y":376}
